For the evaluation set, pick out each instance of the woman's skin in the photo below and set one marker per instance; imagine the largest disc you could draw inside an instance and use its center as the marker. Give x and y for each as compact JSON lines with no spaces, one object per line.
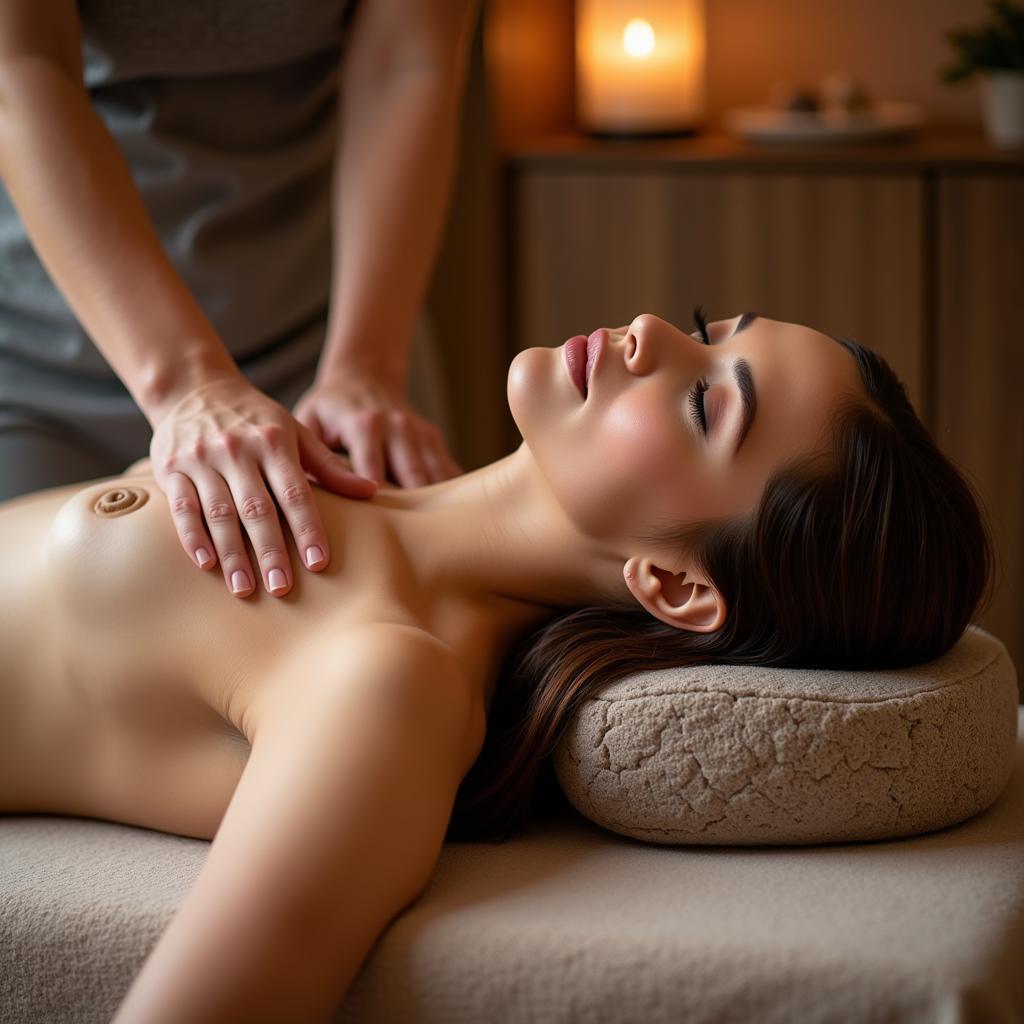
{"x":134,"y":689}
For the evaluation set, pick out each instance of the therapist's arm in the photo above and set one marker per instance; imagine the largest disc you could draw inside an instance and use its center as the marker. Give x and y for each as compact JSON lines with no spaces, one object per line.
{"x":401,"y":85}
{"x":216,"y":437}
{"x":75,"y":196}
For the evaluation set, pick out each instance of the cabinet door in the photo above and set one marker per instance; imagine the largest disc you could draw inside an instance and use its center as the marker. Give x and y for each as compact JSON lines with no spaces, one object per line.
{"x":839,"y":253}
{"x":980,"y":370}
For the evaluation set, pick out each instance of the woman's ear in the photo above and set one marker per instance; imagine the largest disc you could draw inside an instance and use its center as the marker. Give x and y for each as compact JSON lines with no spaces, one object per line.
{"x":686,"y":600}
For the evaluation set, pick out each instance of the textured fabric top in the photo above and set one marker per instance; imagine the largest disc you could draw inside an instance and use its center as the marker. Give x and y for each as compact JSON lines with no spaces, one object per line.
{"x":225,"y":113}
{"x":747,"y":755}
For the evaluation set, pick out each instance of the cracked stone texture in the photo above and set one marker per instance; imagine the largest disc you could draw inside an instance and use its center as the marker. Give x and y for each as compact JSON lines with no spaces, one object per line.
{"x":743,"y":755}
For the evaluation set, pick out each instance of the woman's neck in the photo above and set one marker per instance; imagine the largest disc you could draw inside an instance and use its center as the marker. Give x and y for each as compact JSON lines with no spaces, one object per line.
{"x":497,"y":537}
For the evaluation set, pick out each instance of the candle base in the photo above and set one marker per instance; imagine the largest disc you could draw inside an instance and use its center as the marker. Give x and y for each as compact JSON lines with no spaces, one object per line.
{"x":631,"y":134}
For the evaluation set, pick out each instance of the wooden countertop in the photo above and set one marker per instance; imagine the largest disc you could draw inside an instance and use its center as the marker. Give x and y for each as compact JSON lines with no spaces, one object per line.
{"x":949,"y":149}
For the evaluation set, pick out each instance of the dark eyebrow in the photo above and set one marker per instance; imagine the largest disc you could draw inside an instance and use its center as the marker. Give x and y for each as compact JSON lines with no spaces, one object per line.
{"x":745,"y":383}
{"x":745,"y":321}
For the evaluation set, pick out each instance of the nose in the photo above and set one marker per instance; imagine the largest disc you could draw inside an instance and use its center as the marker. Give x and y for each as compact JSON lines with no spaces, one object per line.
{"x":641,"y":343}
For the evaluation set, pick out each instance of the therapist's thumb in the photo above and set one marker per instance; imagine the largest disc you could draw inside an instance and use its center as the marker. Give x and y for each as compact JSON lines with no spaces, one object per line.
{"x":329,"y":468}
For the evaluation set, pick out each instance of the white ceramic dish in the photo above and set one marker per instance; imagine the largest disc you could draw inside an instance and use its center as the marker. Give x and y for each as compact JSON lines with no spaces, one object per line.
{"x":769,"y":124}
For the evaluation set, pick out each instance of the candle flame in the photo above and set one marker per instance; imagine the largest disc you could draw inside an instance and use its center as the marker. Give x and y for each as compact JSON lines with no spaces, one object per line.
{"x":638,"y":38}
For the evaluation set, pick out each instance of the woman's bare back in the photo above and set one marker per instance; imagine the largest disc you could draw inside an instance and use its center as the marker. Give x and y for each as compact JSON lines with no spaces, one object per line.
{"x":131,"y":681}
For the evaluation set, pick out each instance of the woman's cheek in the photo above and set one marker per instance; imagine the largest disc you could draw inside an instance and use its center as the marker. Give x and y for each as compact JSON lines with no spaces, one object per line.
{"x":640,"y":439}
{"x":611,"y":476}
{"x":637,"y":455}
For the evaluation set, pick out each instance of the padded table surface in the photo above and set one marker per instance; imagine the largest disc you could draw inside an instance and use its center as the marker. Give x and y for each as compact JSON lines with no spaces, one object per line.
{"x":569,"y":922}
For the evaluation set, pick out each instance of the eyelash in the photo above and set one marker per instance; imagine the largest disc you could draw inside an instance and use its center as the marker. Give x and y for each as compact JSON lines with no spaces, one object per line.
{"x":697,"y":392}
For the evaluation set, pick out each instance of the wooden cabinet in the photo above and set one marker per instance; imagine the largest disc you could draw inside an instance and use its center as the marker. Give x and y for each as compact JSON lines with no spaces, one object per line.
{"x":915,"y":249}
{"x":979,"y":361}
{"x":837,"y":252}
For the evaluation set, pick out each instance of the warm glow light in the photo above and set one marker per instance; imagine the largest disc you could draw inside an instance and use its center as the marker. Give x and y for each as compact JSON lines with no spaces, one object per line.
{"x":640,"y":65}
{"x":638,"y":38}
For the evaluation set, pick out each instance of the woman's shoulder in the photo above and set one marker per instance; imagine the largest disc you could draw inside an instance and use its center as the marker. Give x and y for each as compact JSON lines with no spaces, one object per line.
{"x":398,"y":663}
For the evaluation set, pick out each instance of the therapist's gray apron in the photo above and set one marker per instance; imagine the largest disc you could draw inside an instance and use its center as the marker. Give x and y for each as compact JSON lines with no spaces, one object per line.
{"x":225,"y":113}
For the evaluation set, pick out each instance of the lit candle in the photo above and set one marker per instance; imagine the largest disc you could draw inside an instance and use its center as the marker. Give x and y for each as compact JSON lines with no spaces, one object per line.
{"x":640,"y":65}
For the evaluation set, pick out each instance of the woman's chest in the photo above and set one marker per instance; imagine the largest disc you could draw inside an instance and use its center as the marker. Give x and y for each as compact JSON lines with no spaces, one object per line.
{"x":98,"y":715}
{"x":144,"y":629}
{"x":137,"y":709}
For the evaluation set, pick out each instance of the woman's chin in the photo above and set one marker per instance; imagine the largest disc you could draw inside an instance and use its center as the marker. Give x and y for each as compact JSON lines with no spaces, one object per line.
{"x":529,"y":384}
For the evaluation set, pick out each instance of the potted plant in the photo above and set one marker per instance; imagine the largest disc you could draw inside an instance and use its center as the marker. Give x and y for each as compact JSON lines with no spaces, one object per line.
{"x":995,"y":50}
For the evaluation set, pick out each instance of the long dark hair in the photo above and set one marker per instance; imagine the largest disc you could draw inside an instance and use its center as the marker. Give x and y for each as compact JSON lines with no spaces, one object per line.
{"x":874,"y":553}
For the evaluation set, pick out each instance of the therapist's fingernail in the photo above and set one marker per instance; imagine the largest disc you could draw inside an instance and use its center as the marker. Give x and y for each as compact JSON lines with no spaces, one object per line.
{"x":203,"y":556}
{"x":313,"y":555}
{"x":277,"y":579}
{"x":239,"y":582}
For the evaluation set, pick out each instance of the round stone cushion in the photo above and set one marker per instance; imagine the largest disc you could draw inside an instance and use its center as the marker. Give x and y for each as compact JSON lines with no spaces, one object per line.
{"x":743,"y":755}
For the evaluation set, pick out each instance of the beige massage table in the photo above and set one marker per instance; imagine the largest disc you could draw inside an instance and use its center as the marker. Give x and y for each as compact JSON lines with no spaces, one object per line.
{"x":572,"y":923}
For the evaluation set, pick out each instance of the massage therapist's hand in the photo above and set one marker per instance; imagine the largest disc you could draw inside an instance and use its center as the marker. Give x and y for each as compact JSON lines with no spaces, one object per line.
{"x":222,"y":451}
{"x":371,"y":418}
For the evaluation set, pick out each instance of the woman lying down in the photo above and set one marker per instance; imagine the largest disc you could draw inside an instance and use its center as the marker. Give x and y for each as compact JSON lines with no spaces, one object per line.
{"x":754,"y":492}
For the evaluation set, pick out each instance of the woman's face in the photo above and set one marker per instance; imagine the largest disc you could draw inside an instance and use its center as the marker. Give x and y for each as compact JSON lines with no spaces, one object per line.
{"x":631,"y":458}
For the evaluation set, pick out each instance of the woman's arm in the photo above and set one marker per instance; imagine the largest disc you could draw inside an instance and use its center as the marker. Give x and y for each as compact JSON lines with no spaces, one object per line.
{"x":334,"y":828}
{"x":76,"y":198}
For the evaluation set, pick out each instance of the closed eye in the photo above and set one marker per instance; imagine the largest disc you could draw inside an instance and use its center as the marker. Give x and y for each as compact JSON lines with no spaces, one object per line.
{"x":696,"y":396}
{"x":741,"y":373}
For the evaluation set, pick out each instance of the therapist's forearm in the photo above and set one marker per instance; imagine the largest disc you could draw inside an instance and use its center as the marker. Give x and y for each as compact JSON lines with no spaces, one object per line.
{"x":87,"y":222}
{"x":392,"y":182}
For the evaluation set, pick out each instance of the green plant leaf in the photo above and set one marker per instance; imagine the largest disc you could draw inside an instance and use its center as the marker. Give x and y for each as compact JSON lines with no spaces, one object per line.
{"x":996,"y":45}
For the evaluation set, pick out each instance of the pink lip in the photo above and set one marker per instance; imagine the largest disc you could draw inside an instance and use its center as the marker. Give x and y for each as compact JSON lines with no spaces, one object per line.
{"x":574,"y":352}
{"x":581,"y":355}
{"x":595,"y":346}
